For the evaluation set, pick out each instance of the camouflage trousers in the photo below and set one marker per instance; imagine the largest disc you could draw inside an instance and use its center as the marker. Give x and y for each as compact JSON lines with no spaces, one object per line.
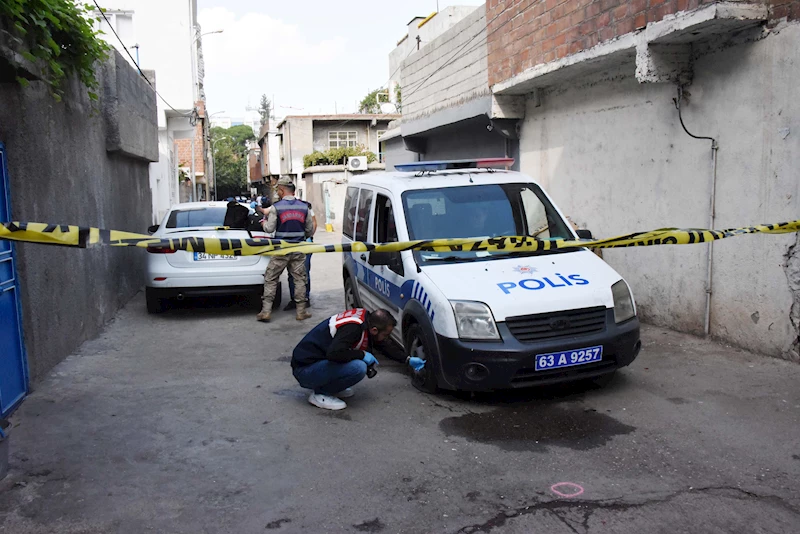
{"x":296,"y":263}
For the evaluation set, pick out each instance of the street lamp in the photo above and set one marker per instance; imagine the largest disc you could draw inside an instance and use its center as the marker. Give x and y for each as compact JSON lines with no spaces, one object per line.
{"x":214,"y":162}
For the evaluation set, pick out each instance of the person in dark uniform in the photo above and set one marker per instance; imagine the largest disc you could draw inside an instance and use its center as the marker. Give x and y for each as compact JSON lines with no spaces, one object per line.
{"x":289,"y":220}
{"x":335,"y":354}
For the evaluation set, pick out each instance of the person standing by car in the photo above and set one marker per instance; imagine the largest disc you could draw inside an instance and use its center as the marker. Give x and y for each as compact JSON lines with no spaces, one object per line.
{"x":335,"y":354}
{"x":292,"y":304}
{"x":289,"y":220}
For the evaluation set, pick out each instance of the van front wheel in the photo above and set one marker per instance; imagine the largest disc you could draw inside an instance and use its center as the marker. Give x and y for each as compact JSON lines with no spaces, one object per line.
{"x":350,"y":299}
{"x":416,"y":345}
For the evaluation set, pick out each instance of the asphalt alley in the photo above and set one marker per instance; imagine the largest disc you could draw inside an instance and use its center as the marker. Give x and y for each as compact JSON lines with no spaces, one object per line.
{"x":191,"y":422}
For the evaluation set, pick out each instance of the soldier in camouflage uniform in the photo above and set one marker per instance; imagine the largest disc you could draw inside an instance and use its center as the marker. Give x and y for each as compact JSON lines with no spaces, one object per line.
{"x":290,"y":221}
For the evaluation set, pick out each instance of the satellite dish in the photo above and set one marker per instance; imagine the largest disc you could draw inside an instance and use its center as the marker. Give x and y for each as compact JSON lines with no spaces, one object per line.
{"x":388,"y":107}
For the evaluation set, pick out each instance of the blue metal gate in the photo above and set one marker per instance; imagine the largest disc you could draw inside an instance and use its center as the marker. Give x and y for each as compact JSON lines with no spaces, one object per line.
{"x":13,"y":363}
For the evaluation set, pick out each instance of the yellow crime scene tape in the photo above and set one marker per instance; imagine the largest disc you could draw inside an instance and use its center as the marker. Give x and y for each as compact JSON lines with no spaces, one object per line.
{"x":83,"y":237}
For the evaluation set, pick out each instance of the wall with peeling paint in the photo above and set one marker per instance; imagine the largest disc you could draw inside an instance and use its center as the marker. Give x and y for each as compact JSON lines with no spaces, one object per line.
{"x":614,"y":156}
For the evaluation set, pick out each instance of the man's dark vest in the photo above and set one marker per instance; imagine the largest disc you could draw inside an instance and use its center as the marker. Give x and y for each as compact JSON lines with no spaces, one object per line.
{"x":292,"y":216}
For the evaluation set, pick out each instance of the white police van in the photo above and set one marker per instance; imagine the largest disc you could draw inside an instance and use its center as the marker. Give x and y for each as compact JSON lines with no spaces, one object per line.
{"x":484,"y":320}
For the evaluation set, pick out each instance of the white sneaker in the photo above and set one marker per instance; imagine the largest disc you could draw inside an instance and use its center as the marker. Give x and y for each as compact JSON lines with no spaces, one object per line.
{"x":326,"y":402}
{"x":346,"y":393}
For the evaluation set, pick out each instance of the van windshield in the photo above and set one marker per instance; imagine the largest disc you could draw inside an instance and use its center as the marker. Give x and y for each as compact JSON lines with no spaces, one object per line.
{"x":480,"y":211}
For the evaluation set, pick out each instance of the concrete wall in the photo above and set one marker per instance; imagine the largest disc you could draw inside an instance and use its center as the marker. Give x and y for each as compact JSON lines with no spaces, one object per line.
{"x":298,"y":140}
{"x":431,"y":82}
{"x":84,"y":163}
{"x":367,"y":134}
{"x":614,"y":156}
{"x":443,"y":20}
{"x":395,"y":152}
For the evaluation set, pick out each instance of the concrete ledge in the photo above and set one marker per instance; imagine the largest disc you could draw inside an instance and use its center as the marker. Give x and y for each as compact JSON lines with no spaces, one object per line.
{"x":340,"y":168}
{"x":647,"y":48}
{"x":129,"y":110}
{"x":466,"y":110}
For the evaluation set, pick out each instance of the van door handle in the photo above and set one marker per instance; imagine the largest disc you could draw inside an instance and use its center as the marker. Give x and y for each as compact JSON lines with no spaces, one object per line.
{"x":363,"y":257}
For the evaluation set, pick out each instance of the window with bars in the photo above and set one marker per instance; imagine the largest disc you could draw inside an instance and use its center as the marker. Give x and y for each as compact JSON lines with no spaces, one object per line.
{"x":342,"y":139}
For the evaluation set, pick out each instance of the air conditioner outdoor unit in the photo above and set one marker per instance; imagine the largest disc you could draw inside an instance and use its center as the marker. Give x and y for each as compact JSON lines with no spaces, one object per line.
{"x":357,"y":163}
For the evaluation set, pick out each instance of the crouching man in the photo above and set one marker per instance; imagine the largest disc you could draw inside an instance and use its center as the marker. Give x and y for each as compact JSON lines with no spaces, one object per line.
{"x":335,"y":354}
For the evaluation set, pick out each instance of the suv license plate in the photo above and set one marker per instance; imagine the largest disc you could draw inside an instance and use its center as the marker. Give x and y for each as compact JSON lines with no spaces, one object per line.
{"x":203,"y":256}
{"x":568,"y":358}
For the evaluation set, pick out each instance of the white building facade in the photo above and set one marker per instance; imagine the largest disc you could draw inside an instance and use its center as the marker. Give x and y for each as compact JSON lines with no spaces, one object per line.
{"x":164,"y":38}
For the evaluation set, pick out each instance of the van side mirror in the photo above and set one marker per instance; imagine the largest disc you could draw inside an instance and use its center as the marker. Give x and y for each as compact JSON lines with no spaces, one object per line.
{"x":152,"y":229}
{"x":584,"y":234}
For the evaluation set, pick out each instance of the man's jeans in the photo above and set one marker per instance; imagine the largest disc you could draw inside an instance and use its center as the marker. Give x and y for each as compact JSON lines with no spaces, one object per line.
{"x":329,"y":378}
{"x":308,"y":281}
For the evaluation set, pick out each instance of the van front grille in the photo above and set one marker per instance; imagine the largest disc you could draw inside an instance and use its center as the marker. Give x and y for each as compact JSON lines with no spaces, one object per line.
{"x":554,"y":325}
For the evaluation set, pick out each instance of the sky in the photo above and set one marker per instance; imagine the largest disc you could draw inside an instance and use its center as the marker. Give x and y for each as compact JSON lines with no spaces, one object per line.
{"x":308,"y":56}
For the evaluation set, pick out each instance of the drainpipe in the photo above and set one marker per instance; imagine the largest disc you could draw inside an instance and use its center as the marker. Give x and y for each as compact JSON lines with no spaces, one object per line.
{"x":712,"y":212}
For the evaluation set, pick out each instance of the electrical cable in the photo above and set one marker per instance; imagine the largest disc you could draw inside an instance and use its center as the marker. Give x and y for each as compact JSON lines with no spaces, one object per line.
{"x":677,"y":102}
{"x":192,"y":115}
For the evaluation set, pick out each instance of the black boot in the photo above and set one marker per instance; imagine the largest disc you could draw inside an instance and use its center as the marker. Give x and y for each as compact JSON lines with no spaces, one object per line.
{"x":291,"y":306}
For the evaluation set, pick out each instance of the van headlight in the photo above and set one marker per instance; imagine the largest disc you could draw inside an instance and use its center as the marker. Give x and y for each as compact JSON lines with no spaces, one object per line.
{"x":474,"y":320}
{"x":623,"y":302}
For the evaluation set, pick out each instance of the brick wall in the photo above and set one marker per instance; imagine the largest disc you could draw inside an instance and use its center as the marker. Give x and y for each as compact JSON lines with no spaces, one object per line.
{"x":526,"y":33}
{"x":185,"y":150}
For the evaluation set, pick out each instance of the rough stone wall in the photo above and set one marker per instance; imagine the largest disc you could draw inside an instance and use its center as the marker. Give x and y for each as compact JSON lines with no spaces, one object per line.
{"x":449,"y":70}
{"x":613,"y":154}
{"x":526,"y":33}
{"x":85,"y":163}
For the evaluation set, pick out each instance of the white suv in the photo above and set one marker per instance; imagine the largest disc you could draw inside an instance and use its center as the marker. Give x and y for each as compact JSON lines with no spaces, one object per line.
{"x":179,"y":274}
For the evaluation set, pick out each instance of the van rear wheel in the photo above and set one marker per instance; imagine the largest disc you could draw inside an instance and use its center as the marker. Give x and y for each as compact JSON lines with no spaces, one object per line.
{"x":416,"y":345}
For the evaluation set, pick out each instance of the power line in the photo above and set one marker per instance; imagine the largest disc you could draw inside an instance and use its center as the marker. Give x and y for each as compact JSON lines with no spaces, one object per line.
{"x":192,"y":115}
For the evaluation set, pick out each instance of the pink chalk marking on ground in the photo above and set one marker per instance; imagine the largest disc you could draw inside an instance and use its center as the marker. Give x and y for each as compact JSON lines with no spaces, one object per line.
{"x":564,"y":485}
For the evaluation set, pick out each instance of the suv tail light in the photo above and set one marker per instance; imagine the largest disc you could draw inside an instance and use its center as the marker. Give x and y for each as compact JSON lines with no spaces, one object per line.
{"x":160,"y":250}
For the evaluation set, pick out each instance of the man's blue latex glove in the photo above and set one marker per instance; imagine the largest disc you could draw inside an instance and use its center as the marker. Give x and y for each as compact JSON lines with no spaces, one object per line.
{"x":309,"y":240}
{"x":369,"y":359}
{"x":416,"y":363}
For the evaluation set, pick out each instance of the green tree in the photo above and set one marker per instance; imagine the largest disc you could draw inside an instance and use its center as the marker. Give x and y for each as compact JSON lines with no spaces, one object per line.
{"x":264,"y":109}
{"x":230,"y":158}
{"x":372,"y":102}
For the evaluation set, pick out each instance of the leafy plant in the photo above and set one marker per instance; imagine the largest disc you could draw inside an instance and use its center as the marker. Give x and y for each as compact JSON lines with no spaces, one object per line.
{"x":372,"y":102}
{"x":337,"y":156}
{"x":398,"y":95}
{"x":58,"y":36}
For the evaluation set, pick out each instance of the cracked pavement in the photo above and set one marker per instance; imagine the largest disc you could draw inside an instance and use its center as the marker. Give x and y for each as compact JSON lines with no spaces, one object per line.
{"x":191,"y":422}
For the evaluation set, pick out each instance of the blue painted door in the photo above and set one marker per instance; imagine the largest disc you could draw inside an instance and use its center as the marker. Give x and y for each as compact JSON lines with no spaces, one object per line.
{"x":13,"y":364}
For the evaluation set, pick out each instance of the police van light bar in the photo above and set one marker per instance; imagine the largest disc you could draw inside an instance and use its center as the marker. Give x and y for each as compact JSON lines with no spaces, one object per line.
{"x":429,"y":166}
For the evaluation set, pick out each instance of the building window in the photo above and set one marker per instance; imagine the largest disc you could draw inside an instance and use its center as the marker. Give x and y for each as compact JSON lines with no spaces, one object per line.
{"x":342,"y":139}
{"x":381,"y":146}
{"x":121,"y":21}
